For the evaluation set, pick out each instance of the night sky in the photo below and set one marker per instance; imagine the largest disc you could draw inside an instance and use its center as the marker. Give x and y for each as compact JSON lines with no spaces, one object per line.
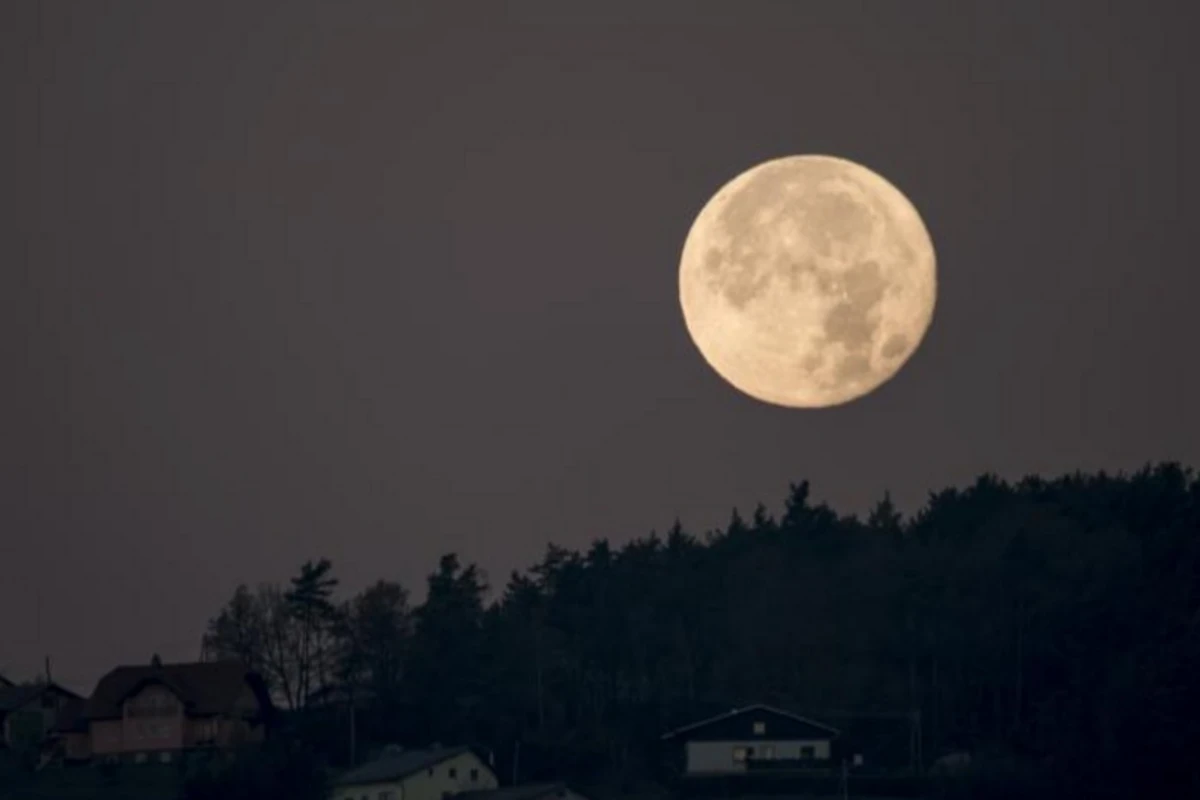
{"x":378,"y":281}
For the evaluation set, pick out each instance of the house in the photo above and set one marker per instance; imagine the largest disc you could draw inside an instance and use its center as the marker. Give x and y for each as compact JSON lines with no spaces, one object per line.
{"x":30,"y":712}
{"x":532,"y":791}
{"x":153,"y":712}
{"x":753,"y":739}
{"x":432,"y":774}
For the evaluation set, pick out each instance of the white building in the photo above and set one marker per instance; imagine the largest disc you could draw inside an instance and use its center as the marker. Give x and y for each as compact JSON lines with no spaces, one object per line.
{"x":752,"y":739}
{"x":433,"y":774}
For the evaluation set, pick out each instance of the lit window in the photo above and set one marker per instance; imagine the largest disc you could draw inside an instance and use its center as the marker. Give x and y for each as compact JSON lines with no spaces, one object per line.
{"x":760,"y":728}
{"x":739,"y":754}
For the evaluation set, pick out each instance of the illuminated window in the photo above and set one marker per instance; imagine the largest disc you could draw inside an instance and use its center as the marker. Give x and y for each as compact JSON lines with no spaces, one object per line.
{"x":739,"y":754}
{"x":760,"y":728}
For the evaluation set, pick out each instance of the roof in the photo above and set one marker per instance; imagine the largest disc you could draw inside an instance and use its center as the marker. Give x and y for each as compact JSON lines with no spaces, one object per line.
{"x":398,"y":766}
{"x":532,"y":791}
{"x":206,"y":688}
{"x":797,"y":722}
{"x":14,"y":697}
{"x":5,"y":682}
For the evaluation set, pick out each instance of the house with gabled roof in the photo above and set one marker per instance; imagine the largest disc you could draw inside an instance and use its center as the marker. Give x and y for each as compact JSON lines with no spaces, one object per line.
{"x":754,"y":739}
{"x":29,"y":712}
{"x":152,"y":712}
{"x":436,"y":773}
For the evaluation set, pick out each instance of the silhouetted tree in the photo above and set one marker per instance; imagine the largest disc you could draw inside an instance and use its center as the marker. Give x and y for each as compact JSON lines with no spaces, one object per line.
{"x":261,"y":630}
{"x":311,"y":604}
{"x":1050,"y":627}
{"x":374,"y":631}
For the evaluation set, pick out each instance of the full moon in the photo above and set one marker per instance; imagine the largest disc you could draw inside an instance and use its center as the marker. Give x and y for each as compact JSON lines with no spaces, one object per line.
{"x":807,"y":281}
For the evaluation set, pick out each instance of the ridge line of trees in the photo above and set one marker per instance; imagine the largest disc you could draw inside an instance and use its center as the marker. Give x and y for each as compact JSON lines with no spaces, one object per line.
{"x":1053,"y":624}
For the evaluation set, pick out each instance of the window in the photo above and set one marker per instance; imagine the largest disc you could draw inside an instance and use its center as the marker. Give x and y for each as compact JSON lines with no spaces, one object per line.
{"x":760,"y":728}
{"x":164,"y":757}
{"x":474,"y":775}
{"x":768,"y":752}
{"x":140,"y":758}
{"x":808,"y":751}
{"x":739,"y":754}
{"x":454,"y":772}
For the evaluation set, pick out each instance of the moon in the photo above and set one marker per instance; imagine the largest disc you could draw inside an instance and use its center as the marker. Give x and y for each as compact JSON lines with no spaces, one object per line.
{"x":808,"y":281}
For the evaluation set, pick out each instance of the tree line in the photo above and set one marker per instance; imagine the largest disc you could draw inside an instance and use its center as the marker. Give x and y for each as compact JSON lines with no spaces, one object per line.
{"x":1048,"y":623}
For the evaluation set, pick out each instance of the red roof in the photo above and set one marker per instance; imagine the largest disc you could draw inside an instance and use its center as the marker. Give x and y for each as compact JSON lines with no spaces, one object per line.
{"x":206,"y":688}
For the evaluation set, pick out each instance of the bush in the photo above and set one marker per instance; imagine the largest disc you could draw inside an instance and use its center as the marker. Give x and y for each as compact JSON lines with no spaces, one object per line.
{"x":278,"y":769}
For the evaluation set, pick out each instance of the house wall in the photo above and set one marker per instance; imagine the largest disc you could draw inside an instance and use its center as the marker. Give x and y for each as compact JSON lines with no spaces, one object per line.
{"x":153,"y":721}
{"x":106,"y":736}
{"x":717,"y":757}
{"x":449,"y":777}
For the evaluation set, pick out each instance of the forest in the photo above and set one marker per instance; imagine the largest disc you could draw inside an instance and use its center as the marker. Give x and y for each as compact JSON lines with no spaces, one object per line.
{"x":1048,"y":627}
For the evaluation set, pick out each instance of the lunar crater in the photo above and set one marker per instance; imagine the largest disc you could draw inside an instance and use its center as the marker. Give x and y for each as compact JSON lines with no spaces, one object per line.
{"x":807,"y":281}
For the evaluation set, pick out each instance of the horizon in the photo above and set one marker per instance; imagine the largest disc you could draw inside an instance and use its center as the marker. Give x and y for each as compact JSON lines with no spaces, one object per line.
{"x":495,"y":588}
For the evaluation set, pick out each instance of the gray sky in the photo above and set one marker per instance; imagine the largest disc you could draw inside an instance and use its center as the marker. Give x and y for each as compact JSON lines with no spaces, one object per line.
{"x":376,"y":281}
